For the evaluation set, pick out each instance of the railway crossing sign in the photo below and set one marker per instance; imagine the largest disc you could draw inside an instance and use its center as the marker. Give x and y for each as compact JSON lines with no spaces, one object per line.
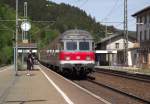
{"x":25,"y":26}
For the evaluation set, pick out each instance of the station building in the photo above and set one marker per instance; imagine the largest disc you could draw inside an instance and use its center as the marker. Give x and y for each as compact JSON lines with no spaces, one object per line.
{"x":110,"y":51}
{"x":143,"y":36}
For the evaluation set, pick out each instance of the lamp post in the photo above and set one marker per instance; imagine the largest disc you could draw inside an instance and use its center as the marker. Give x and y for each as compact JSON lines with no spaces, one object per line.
{"x":16,"y":42}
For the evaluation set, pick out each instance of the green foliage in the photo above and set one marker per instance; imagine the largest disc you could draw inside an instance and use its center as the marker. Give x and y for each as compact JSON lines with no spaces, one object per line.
{"x":47,"y":37}
{"x":61,"y":17}
{"x":6,"y":34}
{"x":64,"y":16}
{"x":6,"y":55}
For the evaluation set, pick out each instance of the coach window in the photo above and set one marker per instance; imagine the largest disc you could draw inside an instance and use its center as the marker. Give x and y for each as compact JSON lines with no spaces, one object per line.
{"x":71,"y":46}
{"x":84,"y":46}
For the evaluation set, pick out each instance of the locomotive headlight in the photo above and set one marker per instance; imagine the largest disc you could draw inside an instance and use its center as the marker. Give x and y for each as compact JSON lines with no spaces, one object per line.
{"x":67,"y":58}
{"x":78,"y":57}
{"x":88,"y":58}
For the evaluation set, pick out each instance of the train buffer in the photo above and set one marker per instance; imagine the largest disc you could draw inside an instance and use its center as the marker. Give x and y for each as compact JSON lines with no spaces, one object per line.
{"x":42,"y":87}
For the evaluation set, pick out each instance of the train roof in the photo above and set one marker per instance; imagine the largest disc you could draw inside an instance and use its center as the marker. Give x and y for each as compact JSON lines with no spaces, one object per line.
{"x":76,"y":34}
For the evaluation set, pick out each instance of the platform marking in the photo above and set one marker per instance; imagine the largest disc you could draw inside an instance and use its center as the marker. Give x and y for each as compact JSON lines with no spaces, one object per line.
{"x":92,"y":94}
{"x":57,"y":88}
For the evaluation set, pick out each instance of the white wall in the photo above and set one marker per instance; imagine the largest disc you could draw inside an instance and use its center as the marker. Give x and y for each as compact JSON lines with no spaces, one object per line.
{"x":112,"y":45}
{"x":129,"y":59}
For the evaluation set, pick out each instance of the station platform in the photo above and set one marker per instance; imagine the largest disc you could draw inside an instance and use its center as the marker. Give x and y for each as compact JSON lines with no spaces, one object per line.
{"x":43,"y":86}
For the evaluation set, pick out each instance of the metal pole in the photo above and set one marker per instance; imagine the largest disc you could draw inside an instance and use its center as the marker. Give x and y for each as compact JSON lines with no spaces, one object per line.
{"x":24,"y":32}
{"x":125,"y":32}
{"x":25,"y":17}
{"x":16,"y":47}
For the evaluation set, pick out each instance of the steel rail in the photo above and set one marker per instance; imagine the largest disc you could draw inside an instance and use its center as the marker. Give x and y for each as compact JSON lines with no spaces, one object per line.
{"x":137,"y":77}
{"x":120,"y":91}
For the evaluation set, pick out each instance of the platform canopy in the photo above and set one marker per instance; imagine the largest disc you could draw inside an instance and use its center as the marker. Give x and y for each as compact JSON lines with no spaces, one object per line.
{"x":105,"y":51}
{"x":26,"y":47}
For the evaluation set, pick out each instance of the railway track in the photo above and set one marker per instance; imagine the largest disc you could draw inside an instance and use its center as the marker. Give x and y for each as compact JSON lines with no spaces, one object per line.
{"x":115,"y":90}
{"x":136,"y":76}
{"x":90,"y":79}
{"x":139,"y":78}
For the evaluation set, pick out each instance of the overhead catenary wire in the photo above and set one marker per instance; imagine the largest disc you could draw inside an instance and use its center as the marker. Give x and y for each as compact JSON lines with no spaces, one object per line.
{"x":24,"y":19}
{"x":78,"y":3}
{"x":111,"y":11}
{"x":83,"y":3}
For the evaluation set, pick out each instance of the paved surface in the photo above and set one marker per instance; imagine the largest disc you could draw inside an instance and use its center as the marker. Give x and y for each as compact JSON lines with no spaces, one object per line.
{"x":76,"y":95}
{"x":5,"y":82}
{"x":39,"y":89}
{"x":25,"y":89}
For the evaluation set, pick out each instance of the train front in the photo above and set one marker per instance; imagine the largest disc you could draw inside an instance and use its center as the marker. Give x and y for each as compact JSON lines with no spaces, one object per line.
{"x":77,"y":55}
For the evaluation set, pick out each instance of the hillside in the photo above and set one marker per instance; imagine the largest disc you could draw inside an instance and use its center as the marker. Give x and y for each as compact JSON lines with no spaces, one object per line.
{"x":59,"y":17}
{"x":6,"y":34}
{"x":64,"y":17}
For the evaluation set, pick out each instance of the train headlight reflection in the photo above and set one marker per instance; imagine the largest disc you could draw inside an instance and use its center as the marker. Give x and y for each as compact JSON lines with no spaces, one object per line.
{"x":78,"y":57}
{"x":67,"y":58}
{"x":88,"y":58}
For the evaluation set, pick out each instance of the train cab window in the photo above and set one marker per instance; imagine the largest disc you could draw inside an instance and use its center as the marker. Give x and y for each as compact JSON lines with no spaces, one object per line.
{"x":71,"y":46}
{"x":93,"y":46}
{"x":84,"y":46}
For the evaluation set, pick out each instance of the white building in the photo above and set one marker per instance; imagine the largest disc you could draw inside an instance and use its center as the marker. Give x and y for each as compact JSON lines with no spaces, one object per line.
{"x":110,"y":50}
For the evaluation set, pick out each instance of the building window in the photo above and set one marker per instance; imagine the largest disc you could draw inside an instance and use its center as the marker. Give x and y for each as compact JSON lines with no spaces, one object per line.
{"x":145,"y":35}
{"x":149,"y":34}
{"x":117,"y":45}
{"x":145,"y":19}
{"x":149,"y":18}
{"x":140,"y":19}
{"x":140,"y":35}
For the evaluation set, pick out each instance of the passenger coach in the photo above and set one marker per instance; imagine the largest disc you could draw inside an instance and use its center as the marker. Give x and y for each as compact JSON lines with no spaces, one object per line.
{"x":72,"y":53}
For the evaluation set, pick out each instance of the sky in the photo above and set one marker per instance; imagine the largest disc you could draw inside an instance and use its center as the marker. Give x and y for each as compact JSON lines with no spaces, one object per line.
{"x":106,"y":11}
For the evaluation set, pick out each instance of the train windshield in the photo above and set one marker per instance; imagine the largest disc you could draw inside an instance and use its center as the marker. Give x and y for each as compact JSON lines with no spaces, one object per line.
{"x":84,"y":46}
{"x":71,"y":46}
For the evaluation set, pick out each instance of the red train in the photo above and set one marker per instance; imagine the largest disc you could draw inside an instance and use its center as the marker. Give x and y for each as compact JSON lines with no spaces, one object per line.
{"x":72,"y":53}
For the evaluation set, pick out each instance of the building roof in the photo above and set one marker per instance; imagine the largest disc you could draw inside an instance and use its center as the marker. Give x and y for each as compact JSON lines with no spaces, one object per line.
{"x":114,"y":36}
{"x":109,"y":37}
{"x":141,"y":11}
